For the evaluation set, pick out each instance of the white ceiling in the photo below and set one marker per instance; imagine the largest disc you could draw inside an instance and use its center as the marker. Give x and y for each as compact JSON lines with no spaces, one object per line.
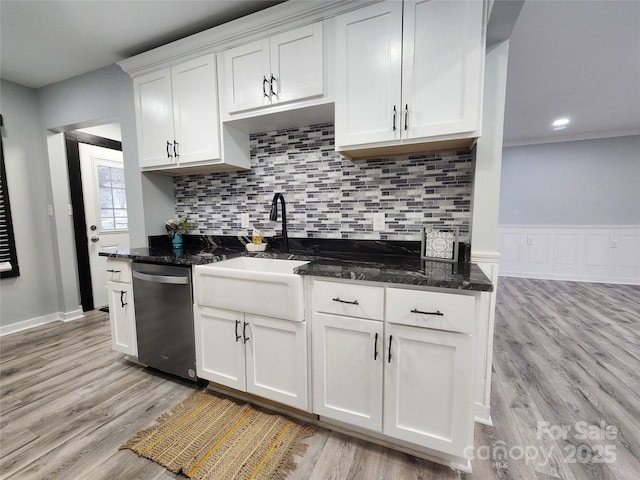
{"x":44,"y":42}
{"x":575,"y":58}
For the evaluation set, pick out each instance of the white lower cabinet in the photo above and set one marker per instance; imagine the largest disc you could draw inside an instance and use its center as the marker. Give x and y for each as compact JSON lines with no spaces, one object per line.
{"x":122,"y":318}
{"x":260,"y":355}
{"x":428,"y":394}
{"x":409,"y":377}
{"x":347,"y":369}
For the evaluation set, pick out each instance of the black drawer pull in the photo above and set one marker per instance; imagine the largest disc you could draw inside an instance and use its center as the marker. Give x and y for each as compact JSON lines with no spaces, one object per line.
{"x":113,"y":271}
{"x":355,"y":302}
{"x":122,"y":302}
{"x":394,"y":118}
{"x":237,"y":336}
{"x":375,"y":347}
{"x":438,"y":312}
{"x":406,"y":115}
{"x":244,"y":336}
{"x":390,"y":338}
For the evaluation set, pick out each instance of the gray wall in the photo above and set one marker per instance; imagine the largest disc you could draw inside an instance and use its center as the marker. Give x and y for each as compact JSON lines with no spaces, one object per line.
{"x":48,"y":284}
{"x":104,"y":96}
{"x":588,"y":182}
{"x":34,"y":293}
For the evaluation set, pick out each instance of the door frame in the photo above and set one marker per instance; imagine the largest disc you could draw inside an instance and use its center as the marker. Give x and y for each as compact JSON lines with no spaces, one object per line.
{"x":72,"y":139}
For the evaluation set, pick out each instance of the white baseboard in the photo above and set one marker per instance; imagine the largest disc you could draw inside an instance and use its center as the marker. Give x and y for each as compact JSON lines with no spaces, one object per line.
{"x":39,"y":321}
{"x":580,"y":253}
{"x":72,"y":315}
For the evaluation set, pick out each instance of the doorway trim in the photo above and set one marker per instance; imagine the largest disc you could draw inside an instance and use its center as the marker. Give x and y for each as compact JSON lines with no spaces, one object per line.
{"x":72,"y":139}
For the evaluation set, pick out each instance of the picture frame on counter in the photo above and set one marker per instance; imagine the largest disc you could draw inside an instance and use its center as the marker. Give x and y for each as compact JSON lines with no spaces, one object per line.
{"x":440,"y":244}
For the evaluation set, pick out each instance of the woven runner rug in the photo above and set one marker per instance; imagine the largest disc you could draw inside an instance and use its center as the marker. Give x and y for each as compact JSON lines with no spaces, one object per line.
{"x":208,"y":437}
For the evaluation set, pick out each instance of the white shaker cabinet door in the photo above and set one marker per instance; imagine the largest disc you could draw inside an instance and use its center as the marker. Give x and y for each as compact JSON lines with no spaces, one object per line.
{"x":247,"y":76}
{"x":276,"y":353}
{"x":368,"y":73}
{"x":154,"y":118}
{"x":122,"y":318}
{"x":297,"y":64}
{"x":429,"y":388}
{"x":347,"y":370}
{"x":195,"y":107}
{"x":442,"y":67}
{"x":220,"y":346}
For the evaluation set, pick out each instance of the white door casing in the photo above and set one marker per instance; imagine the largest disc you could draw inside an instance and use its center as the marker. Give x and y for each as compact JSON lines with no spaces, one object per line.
{"x":110,"y":232}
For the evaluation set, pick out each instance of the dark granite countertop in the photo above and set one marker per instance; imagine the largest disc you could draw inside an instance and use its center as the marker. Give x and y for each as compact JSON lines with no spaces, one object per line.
{"x":375,"y":261}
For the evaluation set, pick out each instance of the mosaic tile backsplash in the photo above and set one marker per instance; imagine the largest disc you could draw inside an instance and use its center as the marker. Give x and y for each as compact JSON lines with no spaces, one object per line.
{"x":328,"y":196}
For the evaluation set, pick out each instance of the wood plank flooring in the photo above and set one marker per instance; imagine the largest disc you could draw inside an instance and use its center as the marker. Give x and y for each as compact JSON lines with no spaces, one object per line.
{"x":566,"y":355}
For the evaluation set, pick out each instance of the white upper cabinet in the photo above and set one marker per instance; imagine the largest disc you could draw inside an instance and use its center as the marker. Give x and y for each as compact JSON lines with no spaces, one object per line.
{"x":442,"y":60}
{"x":195,"y":110}
{"x":247,"y":76}
{"x":154,"y":118}
{"x":369,"y":53}
{"x":177,"y":114}
{"x":282,"y":68}
{"x":409,"y":72}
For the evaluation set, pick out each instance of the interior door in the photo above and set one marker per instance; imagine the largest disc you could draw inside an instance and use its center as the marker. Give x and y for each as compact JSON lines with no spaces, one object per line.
{"x":105,"y":207}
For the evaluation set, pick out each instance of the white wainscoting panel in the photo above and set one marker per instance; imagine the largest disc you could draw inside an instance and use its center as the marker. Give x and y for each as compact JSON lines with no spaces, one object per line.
{"x":609,"y":254}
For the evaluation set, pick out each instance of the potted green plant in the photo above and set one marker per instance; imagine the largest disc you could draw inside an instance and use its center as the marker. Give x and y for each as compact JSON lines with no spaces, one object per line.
{"x":176,"y":227}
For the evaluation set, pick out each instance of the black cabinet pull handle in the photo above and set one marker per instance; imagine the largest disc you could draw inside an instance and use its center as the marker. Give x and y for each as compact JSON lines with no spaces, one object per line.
{"x":122,"y":292}
{"x":375,"y":347}
{"x":390,"y":338}
{"x":244,"y":328}
{"x":355,"y":302}
{"x":273,"y":79}
{"x":237,"y":336}
{"x":113,"y":271}
{"x":394,"y":118}
{"x":168,"y":150}
{"x":264,"y":90}
{"x":406,"y":114}
{"x":438,"y":312}
{"x":175,"y":149}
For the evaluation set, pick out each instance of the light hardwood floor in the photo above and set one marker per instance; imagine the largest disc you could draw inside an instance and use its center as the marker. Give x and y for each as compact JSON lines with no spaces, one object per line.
{"x":564,"y":353}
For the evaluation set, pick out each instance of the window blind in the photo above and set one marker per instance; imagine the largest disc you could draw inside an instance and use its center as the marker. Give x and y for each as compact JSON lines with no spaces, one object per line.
{"x":8,"y":257}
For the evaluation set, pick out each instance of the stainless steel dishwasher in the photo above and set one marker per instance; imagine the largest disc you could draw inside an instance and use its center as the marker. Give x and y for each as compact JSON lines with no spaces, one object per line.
{"x":164,"y":318}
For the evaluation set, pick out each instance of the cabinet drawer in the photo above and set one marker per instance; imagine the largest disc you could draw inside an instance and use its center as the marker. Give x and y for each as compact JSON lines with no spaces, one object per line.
{"x":119,"y":271}
{"x":362,"y":301}
{"x":441,"y":311}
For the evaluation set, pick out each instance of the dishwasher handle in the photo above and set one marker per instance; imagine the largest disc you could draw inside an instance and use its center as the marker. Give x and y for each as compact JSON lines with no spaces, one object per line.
{"x":171,"y":279}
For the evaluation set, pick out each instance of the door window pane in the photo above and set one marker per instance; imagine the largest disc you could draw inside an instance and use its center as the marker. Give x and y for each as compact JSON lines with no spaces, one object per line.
{"x":113,"y":200}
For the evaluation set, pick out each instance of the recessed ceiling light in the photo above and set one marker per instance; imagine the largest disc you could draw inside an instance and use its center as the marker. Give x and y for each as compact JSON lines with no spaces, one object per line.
{"x":560,"y":122}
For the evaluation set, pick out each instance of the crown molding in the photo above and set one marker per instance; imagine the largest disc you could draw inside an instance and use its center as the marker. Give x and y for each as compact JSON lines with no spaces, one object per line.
{"x":571,"y":138}
{"x":284,"y":16}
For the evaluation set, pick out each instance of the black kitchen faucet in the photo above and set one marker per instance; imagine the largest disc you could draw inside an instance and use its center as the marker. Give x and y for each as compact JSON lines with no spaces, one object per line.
{"x":273,"y":216}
